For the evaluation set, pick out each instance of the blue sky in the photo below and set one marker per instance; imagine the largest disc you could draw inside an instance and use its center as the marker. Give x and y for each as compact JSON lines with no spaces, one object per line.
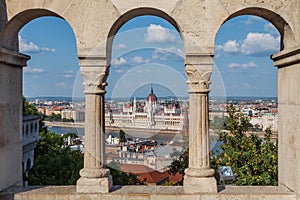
{"x":148,"y":50}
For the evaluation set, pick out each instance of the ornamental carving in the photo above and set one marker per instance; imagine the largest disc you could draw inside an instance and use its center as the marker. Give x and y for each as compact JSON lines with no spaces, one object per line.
{"x":94,"y":81}
{"x":198,"y":81}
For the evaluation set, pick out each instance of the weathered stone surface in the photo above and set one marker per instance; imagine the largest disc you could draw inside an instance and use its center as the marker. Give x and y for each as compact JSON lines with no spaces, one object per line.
{"x":194,"y":184}
{"x":94,"y":185}
{"x":158,"y":193}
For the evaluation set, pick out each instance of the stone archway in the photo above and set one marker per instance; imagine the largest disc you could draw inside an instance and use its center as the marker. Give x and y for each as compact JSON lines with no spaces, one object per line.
{"x":287,"y":149}
{"x":285,"y":29}
{"x":95,"y":69}
{"x":11,"y":67}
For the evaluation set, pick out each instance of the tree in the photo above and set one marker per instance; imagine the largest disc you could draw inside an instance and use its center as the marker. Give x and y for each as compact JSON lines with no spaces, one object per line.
{"x":54,"y":165}
{"x":122,"y":136}
{"x":28,"y":109}
{"x":179,"y":164}
{"x":253,"y":160}
{"x":217,"y":123}
{"x":54,"y":117}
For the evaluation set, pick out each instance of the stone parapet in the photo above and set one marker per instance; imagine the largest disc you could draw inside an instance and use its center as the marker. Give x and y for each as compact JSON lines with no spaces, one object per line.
{"x":151,"y":193}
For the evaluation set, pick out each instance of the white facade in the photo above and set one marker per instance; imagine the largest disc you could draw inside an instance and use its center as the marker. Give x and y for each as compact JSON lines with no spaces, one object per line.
{"x":30,"y":139}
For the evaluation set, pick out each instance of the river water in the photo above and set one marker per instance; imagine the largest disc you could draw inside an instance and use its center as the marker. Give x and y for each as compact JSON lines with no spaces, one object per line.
{"x":159,"y":137}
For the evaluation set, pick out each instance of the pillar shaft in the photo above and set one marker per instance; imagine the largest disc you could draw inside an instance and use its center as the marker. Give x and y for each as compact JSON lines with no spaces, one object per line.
{"x":199,"y":138}
{"x":94,"y":155}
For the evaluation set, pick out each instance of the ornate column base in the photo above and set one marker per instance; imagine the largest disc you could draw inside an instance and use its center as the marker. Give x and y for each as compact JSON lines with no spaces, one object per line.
{"x":94,"y":181}
{"x":199,"y":181}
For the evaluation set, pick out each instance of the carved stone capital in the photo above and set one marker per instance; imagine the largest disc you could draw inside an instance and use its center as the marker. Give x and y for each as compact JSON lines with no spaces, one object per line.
{"x":198,"y":80}
{"x":198,"y":68}
{"x":94,"y":72}
{"x":94,"y":80}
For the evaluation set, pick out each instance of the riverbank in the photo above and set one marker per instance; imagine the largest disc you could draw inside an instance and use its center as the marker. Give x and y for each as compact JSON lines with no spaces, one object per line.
{"x":80,"y":125}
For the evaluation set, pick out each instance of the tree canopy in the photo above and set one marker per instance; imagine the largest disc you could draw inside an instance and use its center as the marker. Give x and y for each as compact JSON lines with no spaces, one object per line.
{"x":55,"y":165}
{"x":29,"y":109}
{"x":253,"y":160}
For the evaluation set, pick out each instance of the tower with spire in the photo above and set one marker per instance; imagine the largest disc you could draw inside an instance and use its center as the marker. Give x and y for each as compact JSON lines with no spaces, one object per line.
{"x":151,"y":106}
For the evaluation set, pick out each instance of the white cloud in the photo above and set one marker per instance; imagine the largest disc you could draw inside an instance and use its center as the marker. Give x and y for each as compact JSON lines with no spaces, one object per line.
{"x":171,"y":53}
{"x":138,"y":59}
{"x":68,"y":74}
{"x":33,"y":70}
{"x":270,"y":28}
{"x":158,"y":34}
{"x":119,"y":71}
{"x":30,"y":47}
{"x":258,"y":44}
{"x":119,"y":46}
{"x":60,"y":84}
{"x":231,"y":46}
{"x":242,"y":67}
{"x":255,"y":44}
{"x":120,"y":61}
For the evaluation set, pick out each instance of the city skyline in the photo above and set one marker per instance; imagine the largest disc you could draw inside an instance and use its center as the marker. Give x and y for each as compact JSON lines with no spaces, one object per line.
{"x":153,"y":56}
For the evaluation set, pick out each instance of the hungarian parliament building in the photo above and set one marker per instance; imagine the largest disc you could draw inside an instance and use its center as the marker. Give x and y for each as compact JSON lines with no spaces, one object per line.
{"x":151,"y":114}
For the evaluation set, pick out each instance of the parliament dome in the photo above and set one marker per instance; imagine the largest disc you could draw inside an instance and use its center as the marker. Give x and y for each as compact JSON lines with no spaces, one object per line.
{"x":152,"y":97}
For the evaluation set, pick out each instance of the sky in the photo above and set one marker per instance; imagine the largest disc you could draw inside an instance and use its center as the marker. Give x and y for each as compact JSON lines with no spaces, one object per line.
{"x":149,"y":51}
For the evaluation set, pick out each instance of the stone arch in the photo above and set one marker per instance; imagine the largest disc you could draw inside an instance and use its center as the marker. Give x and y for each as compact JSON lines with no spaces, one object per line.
{"x":12,"y":63}
{"x":132,"y":14}
{"x":284,"y":28}
{"x":9,"y":34}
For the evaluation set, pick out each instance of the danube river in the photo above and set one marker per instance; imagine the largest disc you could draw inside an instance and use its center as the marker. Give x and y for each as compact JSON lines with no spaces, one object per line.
{"x":159,"y":137}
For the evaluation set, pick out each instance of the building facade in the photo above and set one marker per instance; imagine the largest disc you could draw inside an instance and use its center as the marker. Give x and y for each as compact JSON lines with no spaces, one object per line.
{"x":148,"y":114}
{"x":30,"y":138}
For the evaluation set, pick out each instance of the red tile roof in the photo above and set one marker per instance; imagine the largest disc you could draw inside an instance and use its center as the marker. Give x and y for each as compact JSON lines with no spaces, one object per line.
{"x":145,"y":174}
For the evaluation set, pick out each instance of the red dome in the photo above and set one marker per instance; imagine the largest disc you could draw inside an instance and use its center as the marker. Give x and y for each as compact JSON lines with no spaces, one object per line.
{"x":152,"y":96}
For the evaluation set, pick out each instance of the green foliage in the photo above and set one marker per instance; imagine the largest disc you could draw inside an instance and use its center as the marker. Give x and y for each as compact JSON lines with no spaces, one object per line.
{"x":171,"y":183}
{"x":54,"y":117}
{"x":253,"y":160}
{"x":29,"y":109}
{"x":122,"y":136}
{"x":54,"y":165}
{"x":179,"y":164}
{"x":72,"y":135}
{"x":67,"y":120}
{"x":217,"y":123}
{"x":122,"y":178}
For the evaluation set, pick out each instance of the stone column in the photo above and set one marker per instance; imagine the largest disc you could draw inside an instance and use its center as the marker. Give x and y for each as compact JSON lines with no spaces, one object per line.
{"x":199,"y":177}
{"x":288,"y":63}
{"x":11,"y":117}
{"x":95,"y":177}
